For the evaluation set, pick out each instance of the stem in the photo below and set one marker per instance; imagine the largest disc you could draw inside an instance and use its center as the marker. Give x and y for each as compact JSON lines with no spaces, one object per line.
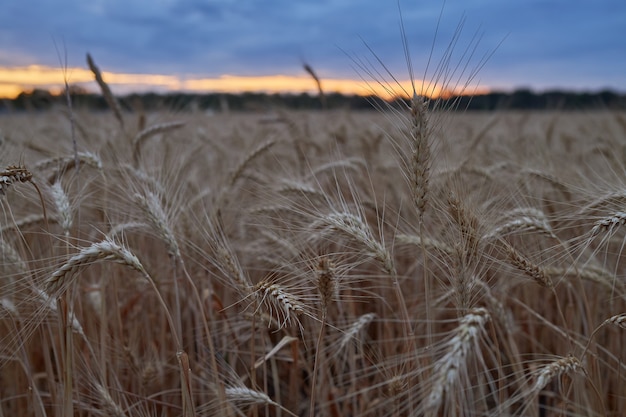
{"x":315,"y":365}
{"x":68,"y":359}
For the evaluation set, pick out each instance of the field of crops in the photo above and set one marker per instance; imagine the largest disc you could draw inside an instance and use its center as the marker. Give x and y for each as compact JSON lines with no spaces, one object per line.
{"x":386,"y":263}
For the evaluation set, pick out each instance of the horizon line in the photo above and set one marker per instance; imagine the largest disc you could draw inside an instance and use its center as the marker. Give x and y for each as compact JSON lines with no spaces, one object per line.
{"x":17,"y":80}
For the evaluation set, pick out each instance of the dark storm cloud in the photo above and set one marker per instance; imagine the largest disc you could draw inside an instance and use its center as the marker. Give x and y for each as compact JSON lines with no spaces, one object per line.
{"x":546,"y":43}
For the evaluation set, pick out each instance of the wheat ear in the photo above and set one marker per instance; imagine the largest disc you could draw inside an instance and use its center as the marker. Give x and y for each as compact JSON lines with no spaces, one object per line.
{"x":532,"y":270}
{"x":618,"y":320}
{"x":108,"y":404}
{"x":301,"y":188}
{"x":520,"y":221}
{"x":433,"y":244}
{"x":609,"y":223}
{"x":355,"y":328}
{"x":354,"y":227}
{"x":112,"y":102}
{"x":13,"y":174}
{"x":591,"y":273}
{"x":106,"y":250}
{"x":352,"y":164}
{"x":10,"y":256}
{"x":610,"y":199}
{"x":243,"y":396}
{"x":326,"y":282}
{"x":420,"y":153}
{"x":153,"y":210}
{"x":63,"y":207}
{"x":63,"y":164}
{"x":149,"y":132}
{"x":558,"y":184}
{"x":547,"y":373}
{"x":276,"y":299}
{"x":540,"y":275}
{"x":451,"y":364}
{"x":25,"y":222}
{"x":468,"y":225}
{"x":318,"y":83}
{"x":236,"y":173}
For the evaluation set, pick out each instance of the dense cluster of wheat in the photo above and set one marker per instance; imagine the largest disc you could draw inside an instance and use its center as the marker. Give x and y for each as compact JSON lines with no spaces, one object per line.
{"x":400,"y":263}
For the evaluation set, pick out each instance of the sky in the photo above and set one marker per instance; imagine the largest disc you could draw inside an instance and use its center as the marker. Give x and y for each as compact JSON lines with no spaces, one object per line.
{"x":353,"y":45}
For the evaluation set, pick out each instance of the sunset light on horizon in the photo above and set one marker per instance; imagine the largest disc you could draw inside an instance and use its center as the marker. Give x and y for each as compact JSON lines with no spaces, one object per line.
{"x":14,"y":81}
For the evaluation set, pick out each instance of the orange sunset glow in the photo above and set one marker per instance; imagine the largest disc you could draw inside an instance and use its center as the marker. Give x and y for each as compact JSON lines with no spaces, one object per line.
{"x":15,"y":80}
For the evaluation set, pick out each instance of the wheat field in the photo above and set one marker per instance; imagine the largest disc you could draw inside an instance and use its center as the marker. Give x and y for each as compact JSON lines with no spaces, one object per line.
{"x":404,"y":262}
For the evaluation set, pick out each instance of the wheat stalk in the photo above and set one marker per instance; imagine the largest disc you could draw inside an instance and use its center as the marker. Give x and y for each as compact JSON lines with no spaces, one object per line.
{"x":52,"y":304}
{"x":185,"y":382}
{"x":326,"y":286}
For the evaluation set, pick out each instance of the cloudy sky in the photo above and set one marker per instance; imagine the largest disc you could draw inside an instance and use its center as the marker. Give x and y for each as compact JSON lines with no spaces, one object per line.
{"x":229,"y":44}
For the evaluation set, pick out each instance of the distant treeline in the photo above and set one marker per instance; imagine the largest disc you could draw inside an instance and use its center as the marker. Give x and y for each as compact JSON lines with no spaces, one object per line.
{"x":522,"y":99}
